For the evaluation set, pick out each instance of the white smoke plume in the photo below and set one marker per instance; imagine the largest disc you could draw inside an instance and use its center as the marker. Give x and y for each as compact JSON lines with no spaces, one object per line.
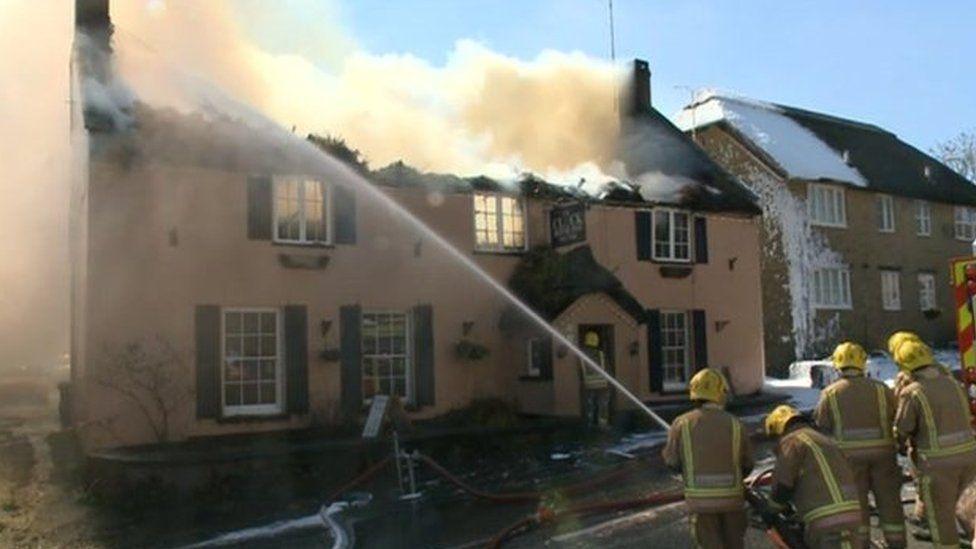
{"x":480,"y":113}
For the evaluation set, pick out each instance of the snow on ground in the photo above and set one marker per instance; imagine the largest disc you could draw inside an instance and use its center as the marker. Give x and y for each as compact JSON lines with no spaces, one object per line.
{"x":796,"y":149}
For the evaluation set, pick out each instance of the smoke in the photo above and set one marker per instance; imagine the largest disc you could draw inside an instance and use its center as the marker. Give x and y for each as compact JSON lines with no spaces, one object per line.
{"x":35,"y":38}
{"x":480,"y":112}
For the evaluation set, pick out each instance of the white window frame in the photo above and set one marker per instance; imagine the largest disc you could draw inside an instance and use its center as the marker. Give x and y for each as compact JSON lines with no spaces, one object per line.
{"x":253,"y":409}
{"x":926,"y":292}
{"x":302,"y":224}
{"x":817,"y":211}
{"x":842,"y":289}
{"x":673,"y":385}
{"x":923,"y":218}
{"x":964,"y":221}
{"x":533,"y":370}
{"x":408,"y":355}
{"x":672,"y":255}
{"x":890,"y":290}
{"x":499,"y":230}
{"x":886,"y":213}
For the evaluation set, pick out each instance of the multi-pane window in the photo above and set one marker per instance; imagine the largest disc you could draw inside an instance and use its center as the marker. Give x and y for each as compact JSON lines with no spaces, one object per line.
{"x":886,"y":214}
{"x":825,"y":205}
{"x":965,"y":222}
{"x":926,"y":292}
{"x":923,"y":218}
{"x":538,"y":353}
{"x":674,"y":349}
{"x":251,"y":375}
{"x":832,"y":288}
{"x":301,"y":210}
{"x":386,"y":355}
{"x":671,"y":235}
{"x":890,"y":290}
{"x":499,"y":223}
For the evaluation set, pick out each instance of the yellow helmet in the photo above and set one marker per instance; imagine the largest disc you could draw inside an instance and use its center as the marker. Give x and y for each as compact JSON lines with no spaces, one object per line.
{"x":708,"y":384}
{"x":849,"y":355}
{"x":912,"y":354}
{"x":897,"y":338}
{"x":591,"y":339}
{"x":777,"y":419}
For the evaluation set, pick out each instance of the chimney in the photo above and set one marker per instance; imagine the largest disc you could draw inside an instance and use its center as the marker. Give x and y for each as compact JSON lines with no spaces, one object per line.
{"x":642,"y":86}
{"x":92,"y":15}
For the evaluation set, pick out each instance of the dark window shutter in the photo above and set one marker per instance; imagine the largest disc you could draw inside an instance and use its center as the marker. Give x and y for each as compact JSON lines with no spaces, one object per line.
{"x":423,"y":350}
{"x":351,"y":357}
{"x":345,"y":214}
{"x":642,"y":223}
{"x":701,"y":240}
{"x":296,"y":358}
{"x":207,"y":334}
{"x":259,"y":208}
{"x":655,"y":358}
{"x":700,"y":335}
{"x":545,"y":364}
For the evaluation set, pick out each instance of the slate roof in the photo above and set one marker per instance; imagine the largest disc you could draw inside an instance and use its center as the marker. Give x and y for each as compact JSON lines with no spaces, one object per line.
{"x":881,"y":161}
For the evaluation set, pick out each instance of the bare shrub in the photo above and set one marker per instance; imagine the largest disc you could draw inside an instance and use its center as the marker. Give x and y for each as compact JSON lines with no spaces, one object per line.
{"x":152,"y":377}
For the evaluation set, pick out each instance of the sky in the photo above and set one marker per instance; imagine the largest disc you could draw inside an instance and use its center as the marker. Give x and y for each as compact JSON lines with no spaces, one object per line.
{"x":903,"y":65}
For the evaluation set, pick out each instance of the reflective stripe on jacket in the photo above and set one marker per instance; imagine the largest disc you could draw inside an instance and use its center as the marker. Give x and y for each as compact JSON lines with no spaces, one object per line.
{"x":712,"y":450}
{"x":933,"y":414}
{"x":858,"y":411}
{"x":822,"y":482}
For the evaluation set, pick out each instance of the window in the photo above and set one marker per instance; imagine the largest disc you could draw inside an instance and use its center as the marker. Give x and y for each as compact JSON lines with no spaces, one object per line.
{"x":499,"y":223}
{"x":386,"y":355}
{"x":923,"y":218}
{"x":671,"y":235}
{"x":886,"y":214}
{"x":538,"y":351}
{"x":251,"y":377}
{"x":301,"y":211}
{"x":825,"y":205}
{"x":926,"y":292}
{"x":674,"y":349}
{"x":831,"y":288}
{"x":890,"y":291}
{"x":965,"y":219}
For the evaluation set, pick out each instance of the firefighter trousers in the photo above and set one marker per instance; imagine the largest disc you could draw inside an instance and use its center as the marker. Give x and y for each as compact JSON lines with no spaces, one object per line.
{"x":940,"y":489}
{"x":880,"y":475}
{"x":725,"y":530}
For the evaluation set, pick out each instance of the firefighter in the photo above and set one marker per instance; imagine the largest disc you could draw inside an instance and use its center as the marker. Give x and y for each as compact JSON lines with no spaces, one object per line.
{"x":933,"y":417}
{"x":902,"y":380}
{"x":711,"y":449}
{"x":596,"y":389}
{"x":812,"y":473}
{"x":858,"y":411}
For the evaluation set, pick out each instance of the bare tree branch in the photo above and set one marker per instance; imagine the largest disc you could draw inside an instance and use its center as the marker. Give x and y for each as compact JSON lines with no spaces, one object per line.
{"x":959,"y":153}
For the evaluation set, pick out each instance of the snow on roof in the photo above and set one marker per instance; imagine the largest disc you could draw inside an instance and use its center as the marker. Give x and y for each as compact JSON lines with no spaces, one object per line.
{"x":797,"y":150}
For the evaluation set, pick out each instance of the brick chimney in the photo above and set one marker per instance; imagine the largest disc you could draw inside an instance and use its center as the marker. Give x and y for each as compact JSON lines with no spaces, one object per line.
{"x":641,"y":86}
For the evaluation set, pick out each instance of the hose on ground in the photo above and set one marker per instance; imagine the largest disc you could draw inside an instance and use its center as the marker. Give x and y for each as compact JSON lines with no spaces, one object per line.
{"x":523,"y":496}
{"x":369,"y":473}
{"x":547,"y":516}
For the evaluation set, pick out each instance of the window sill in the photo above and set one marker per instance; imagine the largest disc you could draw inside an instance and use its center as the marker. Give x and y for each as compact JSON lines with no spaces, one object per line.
{"x":828,"y":225}
{"x":304,"y":245}
{"x":833,"y":308}
{"x":534,"y":379}
{"x":500,"y":252}
{"x":253,"y":418}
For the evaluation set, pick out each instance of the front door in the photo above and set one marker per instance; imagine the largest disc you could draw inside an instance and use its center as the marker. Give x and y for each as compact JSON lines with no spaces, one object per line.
{"x":597,"y":397}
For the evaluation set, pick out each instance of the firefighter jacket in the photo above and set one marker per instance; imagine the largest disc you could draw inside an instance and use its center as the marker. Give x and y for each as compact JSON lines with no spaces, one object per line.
{"x":591,"y":379}
{"x":858,"y":412}
{"x":713,"y":452}
{"x":813,"y":470}
{"x":933,"y":415}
